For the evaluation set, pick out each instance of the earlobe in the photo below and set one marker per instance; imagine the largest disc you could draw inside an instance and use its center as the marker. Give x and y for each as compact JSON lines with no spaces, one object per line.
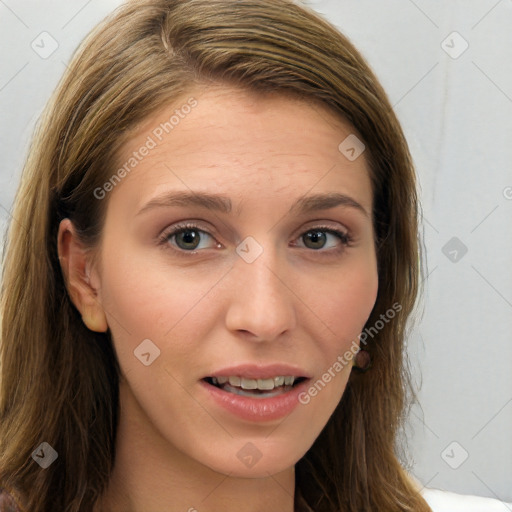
{"x":75,"y":269}
{"x":95,"y":321}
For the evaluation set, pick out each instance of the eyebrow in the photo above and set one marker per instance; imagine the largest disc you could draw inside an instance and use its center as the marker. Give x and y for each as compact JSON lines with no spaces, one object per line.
{"x":222,"y":204}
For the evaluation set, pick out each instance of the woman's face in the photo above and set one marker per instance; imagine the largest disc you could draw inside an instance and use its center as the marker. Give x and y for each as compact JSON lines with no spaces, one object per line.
{"x":257,"y":285}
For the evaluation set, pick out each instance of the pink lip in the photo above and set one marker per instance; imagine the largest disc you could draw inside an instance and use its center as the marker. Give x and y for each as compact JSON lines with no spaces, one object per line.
{"x":253,"y":371}
{"x":257,"y":409}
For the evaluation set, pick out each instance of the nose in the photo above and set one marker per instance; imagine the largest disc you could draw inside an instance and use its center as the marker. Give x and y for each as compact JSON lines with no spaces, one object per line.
{"x":262,"y":303}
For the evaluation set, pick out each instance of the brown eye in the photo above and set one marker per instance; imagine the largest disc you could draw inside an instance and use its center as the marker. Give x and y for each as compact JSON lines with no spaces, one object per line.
{"x":319,"y":238}
{"x":314,"y":239}
{"x":187,"y":239}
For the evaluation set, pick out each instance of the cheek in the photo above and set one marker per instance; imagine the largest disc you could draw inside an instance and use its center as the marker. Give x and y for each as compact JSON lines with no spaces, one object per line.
{"x":343,"y":309}
{"x":357,"y":296}
{"x":344,"y":302}
{"x":147,"y":298}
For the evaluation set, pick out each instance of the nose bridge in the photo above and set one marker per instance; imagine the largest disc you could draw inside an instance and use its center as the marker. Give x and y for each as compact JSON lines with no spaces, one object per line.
{"x":261,"y":302}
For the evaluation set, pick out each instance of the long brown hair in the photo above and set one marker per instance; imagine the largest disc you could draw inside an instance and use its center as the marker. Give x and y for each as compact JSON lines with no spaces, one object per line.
{"x":59,"y":380}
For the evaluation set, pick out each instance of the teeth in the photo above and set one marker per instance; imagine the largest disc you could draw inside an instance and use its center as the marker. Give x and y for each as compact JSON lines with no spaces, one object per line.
{"x":251,"y":384}
{"x":248,"y":383}
{"x":219,"y":380}
{"x":266,"y":384}
{"x":234,"y":381}
{"x":278,"y":381}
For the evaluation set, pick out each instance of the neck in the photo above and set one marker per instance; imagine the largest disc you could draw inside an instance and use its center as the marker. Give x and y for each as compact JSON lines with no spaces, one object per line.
{"x":151,"y":474}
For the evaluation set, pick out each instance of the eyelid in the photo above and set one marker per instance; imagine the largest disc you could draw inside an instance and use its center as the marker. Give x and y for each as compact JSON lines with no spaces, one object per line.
{"x":322,"y":224}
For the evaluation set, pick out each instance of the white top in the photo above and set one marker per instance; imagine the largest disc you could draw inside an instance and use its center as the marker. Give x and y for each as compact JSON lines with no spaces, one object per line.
{"x":445,"y":501}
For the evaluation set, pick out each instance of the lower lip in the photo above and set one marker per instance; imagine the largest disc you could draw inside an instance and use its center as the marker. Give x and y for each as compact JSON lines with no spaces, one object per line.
{"x":257,"y":409}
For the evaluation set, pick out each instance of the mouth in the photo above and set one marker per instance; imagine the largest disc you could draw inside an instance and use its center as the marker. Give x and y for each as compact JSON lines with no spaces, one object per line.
{"x":255,"y":388}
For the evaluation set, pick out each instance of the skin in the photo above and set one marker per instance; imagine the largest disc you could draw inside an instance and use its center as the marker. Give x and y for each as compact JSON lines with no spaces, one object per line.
{"x":176,"y":450}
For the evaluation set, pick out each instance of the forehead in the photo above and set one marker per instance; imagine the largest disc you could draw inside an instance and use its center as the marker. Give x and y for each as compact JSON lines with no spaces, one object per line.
{"x":249,"y":145}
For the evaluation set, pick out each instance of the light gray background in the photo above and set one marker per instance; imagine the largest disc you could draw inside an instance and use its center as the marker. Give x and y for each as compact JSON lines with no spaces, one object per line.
{"x":457,"y":116}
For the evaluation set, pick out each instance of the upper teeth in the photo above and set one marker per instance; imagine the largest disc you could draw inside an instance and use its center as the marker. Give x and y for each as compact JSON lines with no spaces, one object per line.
{"x":263,"y":384}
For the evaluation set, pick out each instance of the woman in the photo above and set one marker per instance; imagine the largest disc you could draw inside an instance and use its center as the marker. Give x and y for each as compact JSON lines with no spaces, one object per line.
{"x":217,"y":213}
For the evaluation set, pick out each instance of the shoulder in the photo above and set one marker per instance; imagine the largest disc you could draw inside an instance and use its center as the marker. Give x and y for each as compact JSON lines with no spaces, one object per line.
{"x":445,"y":501}
{"x":7,"y":503}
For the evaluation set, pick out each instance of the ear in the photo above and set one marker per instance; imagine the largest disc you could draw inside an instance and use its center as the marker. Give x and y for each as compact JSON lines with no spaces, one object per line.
{"x":76,"y":268}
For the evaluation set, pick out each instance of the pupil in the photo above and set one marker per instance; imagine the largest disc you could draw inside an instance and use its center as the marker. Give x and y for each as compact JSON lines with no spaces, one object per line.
{"x":317,"y":238}
{"x":188,"y":237}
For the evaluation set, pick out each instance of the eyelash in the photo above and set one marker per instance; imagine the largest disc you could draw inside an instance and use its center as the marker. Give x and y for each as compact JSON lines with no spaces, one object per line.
{"x":163,"y":239}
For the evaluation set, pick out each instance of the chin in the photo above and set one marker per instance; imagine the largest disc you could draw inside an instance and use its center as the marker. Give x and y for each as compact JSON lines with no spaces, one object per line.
{"x":245,"y":460}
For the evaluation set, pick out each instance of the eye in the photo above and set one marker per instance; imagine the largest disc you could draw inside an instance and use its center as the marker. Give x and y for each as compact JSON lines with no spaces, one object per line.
{"x":187,"y":237}
{"x":325,"y":238}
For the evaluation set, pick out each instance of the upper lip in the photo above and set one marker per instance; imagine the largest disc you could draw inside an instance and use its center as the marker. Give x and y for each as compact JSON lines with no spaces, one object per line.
{"x":253,"y":371}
